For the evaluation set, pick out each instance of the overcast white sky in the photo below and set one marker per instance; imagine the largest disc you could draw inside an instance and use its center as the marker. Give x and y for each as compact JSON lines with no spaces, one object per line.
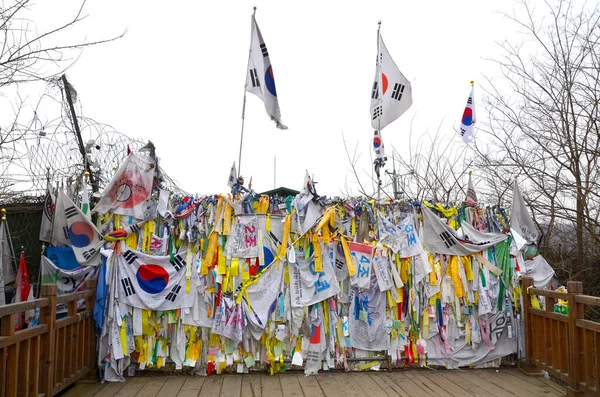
{"x":177,"y":78}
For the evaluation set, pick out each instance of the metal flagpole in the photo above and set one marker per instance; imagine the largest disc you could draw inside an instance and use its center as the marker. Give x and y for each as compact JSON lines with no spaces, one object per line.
{"x":379,"y":100}
{"x":245,"y":91}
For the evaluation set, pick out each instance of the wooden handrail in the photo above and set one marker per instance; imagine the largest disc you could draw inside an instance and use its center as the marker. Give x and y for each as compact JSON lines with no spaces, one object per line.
{"x":23,"y":306}
{"x":548,"y":293}
{"x":565,"y":345}
{"x":588,"y":300}
{"x":47,"y":358}
{"x":75,"y":296}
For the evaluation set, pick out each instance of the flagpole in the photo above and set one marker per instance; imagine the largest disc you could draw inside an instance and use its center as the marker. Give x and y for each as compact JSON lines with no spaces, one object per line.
{"x":245,"y":91}
{"x":379,"y":100}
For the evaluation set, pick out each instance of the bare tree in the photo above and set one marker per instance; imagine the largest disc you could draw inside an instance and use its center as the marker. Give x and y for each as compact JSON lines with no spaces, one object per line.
{"x":28,"y":55}
{"x":545,"y":128}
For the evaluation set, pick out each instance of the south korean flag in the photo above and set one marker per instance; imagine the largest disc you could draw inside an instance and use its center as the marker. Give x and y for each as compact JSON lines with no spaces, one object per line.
{"x":391,"y":94}
{"x":260,"y":79}
{"x":155,"y":282}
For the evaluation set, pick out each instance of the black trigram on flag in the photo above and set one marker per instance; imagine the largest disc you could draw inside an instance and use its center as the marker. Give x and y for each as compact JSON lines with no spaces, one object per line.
{"x":173,"y":294}
{"x":470,"y":101}
{"x":178,"y":262}
{"x":130,"y":257}
{"x":70,"y":212}
{"x":377,"y":112}
{"x":462,"y":131}
{"x":398,"y":90}
{"x":263,"y":48}
{"x":66,"y":232}
{"x":447,"y":239}
{"x":127,"y":286}
{"x":89,"y":253}
{"x":375,"y":93}
{"x":134,"y":228}
{"x":254,"y":78}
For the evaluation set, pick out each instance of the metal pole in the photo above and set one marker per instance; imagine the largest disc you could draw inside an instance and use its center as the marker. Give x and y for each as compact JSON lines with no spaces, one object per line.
{"x":274,"y":172}
{"x":66,"y":86}
{"x":245,"y":87}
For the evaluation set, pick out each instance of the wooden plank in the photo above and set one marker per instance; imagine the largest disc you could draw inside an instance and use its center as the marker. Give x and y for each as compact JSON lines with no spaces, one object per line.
{"x":246,"y":386}
{"x":60,"y":355}
{"x":327,"y":384}
{"x":436,"y":384}
{"x":392,"y":388}
{"x":487,"y":387}
{"x":512,"y":384}
{"x":548,"y":293}
{"x":256,"y":384}
{"x":12,"y":373}
{"x":588,"y":353}
{"x":271,"y":385}
{"x":172,"y":386}
{"x":589,"y":325}
{"x":110,"y":389}
{"x":34,"y":369}
{"x":597,"y":358}
{"x":13,"y":308}
{"x":132,"y":387}
{"x":539,"y":313}
{"x":74,"y":296}
{"x":232,"y":385}
{"x":211,"y":386}
{"x":3,"y":365}
{"x":405,"y":383}
{"x":23,"y":335}
{"x":80,"y":344}
{"x":465,"y":384}
{"x":372,"y":384}
{"x":48,"y":317}
{"x":152,"y":387}
{"x":87,"y":389}
{"x":191,"y":387}
{"x":290,"y":387}
{"x":540,"y":381}
{"x":347,"y":384}
{"x":587,"y":300}
{"x":556,"y":354}
{"x":23,"y":368}
{"x":310,"y":385}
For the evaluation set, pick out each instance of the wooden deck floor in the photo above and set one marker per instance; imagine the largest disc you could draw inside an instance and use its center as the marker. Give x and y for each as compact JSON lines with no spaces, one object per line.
{"x":442,"y":383}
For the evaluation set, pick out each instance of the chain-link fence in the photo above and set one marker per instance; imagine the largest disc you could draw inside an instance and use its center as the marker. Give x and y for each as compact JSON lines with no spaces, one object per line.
{"x":23,"y":221}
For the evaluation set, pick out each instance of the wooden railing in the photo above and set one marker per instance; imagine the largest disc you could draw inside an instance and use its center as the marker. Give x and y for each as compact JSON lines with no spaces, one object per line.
{"x":567,"y":346}
{"x":45,"y":359}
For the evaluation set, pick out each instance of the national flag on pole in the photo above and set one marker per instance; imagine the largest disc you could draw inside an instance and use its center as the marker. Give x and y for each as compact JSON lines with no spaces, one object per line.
{"x":77,"y":231}
{"x":24,"y":292}
{"x":85,"y":198}
{"x":130,"y":188}
{"x":232,"y":176}
{"x":471,"y":195}
{"x":468,"y":119}
{"x":391,"y":94}
{"x":520,"y":220}
{"x":260,"y":80}
{"x":47,"y":215}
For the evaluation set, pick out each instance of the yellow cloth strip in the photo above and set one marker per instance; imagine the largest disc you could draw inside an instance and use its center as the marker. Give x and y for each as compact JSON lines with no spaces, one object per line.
{"x":349,"y":262}
{"x":210,"y":252}
{"x":263,"y":204}
{"x":227,"y":218}
{"x":318,"y":254}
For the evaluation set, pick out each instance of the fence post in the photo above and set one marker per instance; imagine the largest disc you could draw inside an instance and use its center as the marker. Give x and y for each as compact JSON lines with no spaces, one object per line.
{"x":574,"y":288}
{"x":48,"y":316}
{"x":525,"y":284}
